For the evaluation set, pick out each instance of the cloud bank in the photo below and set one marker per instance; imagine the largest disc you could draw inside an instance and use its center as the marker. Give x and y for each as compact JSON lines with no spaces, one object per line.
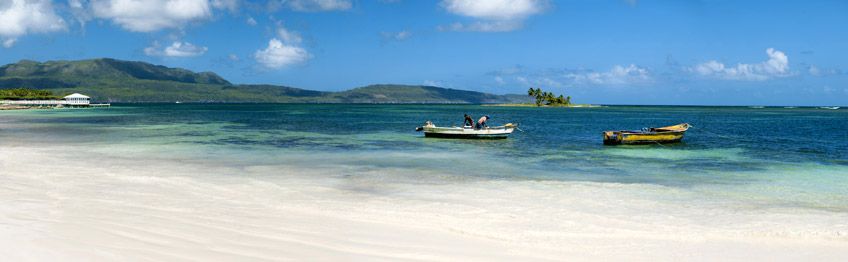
{"x":777,"y":65}
{"x":618,"y":75}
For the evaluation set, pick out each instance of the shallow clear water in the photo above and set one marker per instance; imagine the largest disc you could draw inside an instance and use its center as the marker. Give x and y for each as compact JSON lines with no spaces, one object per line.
{"x":754,"y":158}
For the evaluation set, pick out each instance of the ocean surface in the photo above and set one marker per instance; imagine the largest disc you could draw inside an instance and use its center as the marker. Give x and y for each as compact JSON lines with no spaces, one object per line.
{"x":763,"y":163}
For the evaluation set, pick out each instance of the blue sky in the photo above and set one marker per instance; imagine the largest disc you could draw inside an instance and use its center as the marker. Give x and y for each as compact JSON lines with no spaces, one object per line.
{"x":617,"y":51}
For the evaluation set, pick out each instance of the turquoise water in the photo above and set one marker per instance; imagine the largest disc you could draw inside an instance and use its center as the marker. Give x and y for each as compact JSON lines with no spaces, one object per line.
{"x":761,"y":158}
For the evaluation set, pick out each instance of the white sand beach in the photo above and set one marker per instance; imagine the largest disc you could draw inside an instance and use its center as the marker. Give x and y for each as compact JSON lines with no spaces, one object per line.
{"x":107,"y":203}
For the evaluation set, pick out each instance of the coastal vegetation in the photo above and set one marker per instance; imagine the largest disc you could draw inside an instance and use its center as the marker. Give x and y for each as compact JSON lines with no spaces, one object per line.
{"x":26,"y":94}
{"x":548,"y":98}
{"x":111,"y":80}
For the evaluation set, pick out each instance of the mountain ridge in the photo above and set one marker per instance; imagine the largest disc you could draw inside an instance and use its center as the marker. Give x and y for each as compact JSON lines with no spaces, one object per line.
{"x":113,"y":80}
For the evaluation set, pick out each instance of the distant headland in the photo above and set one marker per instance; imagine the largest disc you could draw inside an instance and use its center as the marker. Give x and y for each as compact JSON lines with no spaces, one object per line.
{"x":117,"y":81}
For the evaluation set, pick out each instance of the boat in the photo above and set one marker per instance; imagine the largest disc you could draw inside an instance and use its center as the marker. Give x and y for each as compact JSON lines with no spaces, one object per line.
{"x":467,"y":132}
{"x":653,"y":135}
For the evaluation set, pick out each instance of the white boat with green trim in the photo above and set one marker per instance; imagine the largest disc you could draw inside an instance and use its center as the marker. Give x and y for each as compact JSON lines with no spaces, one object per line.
{"x":467,"y":132}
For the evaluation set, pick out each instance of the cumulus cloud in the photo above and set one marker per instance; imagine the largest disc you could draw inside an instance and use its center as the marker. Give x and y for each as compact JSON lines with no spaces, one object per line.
{"x":176,"y":49}
{"x":777,"y":65}
{"x":282,"y":50}
{"x":278,"y":55}
{"x":154,"y":15}
{"x":314,"y":5}
{"x":21,"y":17}
{"x":250,"y":21}
{"x":492,"y":15}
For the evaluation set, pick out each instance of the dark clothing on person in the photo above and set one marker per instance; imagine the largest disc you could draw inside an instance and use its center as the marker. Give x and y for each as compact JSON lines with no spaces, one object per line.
{"x":468,"y":121}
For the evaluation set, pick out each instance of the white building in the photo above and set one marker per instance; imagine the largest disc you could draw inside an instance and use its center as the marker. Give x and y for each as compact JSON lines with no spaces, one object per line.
{"x":77,"y":99}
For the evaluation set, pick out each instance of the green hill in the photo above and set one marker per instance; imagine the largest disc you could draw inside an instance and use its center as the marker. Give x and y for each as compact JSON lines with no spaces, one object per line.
{"x":413,"y":94}
{"x":110,"y":80}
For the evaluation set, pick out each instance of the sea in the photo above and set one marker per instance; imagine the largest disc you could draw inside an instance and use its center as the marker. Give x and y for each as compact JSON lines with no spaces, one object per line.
{"x":769,"y":172}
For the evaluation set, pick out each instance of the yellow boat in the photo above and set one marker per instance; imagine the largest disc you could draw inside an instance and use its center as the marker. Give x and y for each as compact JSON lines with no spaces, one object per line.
{"x":653,"y":135}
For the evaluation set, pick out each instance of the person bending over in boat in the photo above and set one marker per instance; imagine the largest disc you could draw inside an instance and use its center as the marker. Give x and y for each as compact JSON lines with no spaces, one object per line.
{"x":482,"y":122}
{"x":468,"y":121}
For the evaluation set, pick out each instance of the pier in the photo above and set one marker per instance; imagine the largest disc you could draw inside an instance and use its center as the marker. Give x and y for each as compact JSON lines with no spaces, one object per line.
{"x":74,"y":100}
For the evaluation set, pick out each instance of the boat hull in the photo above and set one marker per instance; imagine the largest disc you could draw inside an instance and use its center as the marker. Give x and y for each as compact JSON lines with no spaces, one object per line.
{"x":642,"y":139}
{"x":660,"y":135}
{"x":466,"y":136}
{"x":467,"y":133}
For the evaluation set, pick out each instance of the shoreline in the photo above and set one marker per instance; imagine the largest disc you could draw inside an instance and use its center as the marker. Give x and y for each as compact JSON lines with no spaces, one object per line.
{"x":147,"y":203}
{"x":545,"y":106}
{"x":17,"y":107}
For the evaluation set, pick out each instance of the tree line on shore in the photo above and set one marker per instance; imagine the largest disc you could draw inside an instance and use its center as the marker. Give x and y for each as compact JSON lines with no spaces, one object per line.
{"x":548,"y":98}
{"x":26,"y":94}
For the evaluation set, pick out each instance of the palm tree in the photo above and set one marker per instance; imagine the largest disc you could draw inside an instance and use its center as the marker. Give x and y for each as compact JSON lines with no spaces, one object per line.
{"x":538,"y":94}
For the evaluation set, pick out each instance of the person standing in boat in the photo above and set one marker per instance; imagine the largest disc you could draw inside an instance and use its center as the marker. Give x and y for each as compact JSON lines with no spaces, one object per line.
{"x":482,"y":122}
{"x":468,"y":121}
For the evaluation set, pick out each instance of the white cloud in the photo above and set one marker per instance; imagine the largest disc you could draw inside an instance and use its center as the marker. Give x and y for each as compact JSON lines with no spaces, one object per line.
{"x":282,"y":50}
{"x":435,"y":83}
{"x":492,"y":15}
{"x":176,"y":49}
{"x":233,"y":57}
{"x":289,"y":37}
{"x":75,"y":3}
{"x":484,"y":26}
{"x":500,"y":80}
{"x":318,"y":5}
{"x":9,"y":42}
{"x":278,"y":55}
{"x":396,"y":36}
{"x":21,"y":17}
{"x":776,"y":66}
{"x":618,"y":75}
{"x":154,"y":15}
{"x":494,"y":9}
{"x":816,"y":71}
{"x":79,"y":12}
{"x":251,"y":21}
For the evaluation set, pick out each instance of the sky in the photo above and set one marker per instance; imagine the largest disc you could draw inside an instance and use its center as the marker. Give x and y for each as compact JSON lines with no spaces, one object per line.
{"x":708,"y":52}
